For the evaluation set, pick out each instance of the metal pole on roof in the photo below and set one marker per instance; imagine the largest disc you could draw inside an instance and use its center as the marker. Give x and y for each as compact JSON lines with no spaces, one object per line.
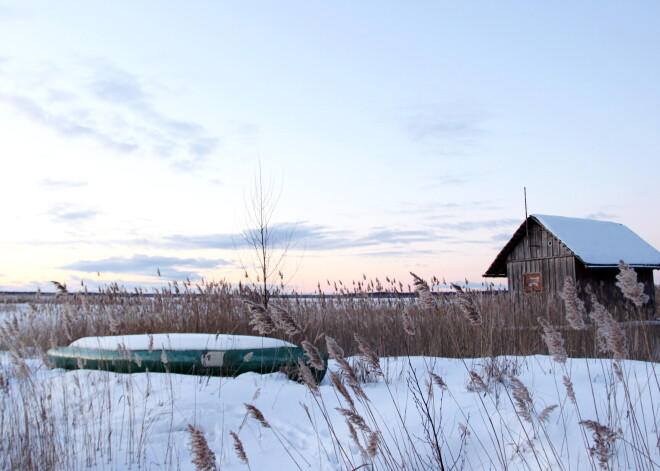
{"x":529,"y":250}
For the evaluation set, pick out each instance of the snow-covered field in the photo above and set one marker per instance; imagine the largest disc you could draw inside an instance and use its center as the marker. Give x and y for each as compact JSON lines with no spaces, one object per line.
{"x":95,"y":420}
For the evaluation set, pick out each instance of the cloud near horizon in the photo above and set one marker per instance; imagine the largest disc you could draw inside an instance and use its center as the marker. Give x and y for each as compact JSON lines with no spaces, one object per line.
{"x":303,"y":236}
{"x":146,"y":265}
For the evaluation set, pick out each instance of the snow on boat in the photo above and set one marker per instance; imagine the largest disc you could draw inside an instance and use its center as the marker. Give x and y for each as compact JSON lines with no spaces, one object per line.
{"x":195,"y":354}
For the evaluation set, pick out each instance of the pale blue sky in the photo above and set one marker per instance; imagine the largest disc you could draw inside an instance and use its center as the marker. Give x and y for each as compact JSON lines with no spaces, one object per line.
{"x":401,"y":133}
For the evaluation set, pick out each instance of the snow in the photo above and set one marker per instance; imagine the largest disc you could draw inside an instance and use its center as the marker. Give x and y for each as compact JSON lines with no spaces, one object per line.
{"x":180,"y":342}
{"x":600,"y":242}
{"x":110,"y":421}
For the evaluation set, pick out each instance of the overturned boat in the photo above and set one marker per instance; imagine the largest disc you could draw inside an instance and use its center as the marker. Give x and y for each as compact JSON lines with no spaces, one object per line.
{"x":193,"y":354}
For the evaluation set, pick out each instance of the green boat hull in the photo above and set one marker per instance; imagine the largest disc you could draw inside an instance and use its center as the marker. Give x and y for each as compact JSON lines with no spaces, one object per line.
{"x":190,"y":362}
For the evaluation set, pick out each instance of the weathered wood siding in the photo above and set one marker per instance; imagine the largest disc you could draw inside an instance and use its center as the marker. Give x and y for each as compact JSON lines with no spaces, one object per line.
{"x":602,"y":282}
{"x":540,"y":252}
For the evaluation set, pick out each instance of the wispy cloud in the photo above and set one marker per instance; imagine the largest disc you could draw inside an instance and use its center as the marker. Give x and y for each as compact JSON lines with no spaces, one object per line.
{"x":304,"y":236}
{"x":502,"y":237}
{"x":208,"y":241}
{"x":61,"y":184}
{"x":451,"y":180}
{"x":601,"y":215}
{"x":402,"y":253}
{"x":145,"y":265}
{"x":66,"y":124}
{"x":307,"y":237}
{"x":442,"y":211}
{"x":71,"y":213}
{"x":445,"y":129}
{"x":110,"y":106}
{"x":466,"y":226}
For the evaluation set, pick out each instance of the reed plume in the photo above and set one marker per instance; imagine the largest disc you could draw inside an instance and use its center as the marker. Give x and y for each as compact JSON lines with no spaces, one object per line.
{"x":256,"y":415}
{"x":524,"y":404}
{"x":544,"y":416}
{"x":604,"y":438}
{"x":348,"y":372}
{"x":476,"y":383}
{"x":314,"y":358}
{"x":570,"y":392}
{"x":438,"y":381}
{"x":204,"y":458}
{"x":467,"y":303}
{"x":372,"y":444}
{"x":260,"y":319}
{"x":354,"y":418}
{"x":339,"y":386}
{"x":61,"y":288}
{"x":354,"y":436}
{"x":575,"y":310}
{"x":408,"y":326}
{"x":308,"y":378}
{"x":283,"y":320}
{"x":554,"y":341}
{"x":610,"y":335}
{"x":631,"y":289}
{"x":368,"y":354}
{"x":426,"y":298}
{"x":238,"y":448}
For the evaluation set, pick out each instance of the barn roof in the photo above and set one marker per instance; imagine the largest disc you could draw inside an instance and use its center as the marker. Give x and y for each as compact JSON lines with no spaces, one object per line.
{"x":597,"y":244}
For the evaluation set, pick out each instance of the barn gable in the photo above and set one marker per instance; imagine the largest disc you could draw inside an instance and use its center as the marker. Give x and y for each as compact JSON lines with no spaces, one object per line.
{"x":545,"y":250}
{"x":594,"y":243}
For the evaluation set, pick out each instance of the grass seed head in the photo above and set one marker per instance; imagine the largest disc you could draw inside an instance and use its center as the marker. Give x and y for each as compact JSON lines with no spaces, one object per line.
{"x":523,"y":399}
{"x":238,"y":448}
{"x":467,"y":303}
{"x":308,"y":378}
{"x":426,"y":298}
{"x":631,"y":289}
{"x":610,"y":334}
{"x":575,"y":310}
{"x":314,"y":358}
{"x":554,"y":341}
{"x":204,"y":458}
{"x":256,"y":415}
{"x":368,"y":354}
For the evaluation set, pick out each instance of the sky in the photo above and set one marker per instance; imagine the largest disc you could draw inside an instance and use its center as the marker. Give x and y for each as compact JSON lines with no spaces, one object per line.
{"x":394,"y":136}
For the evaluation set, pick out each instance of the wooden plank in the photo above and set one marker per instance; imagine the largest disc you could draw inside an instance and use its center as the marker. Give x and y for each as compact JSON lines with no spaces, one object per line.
{"x":544,"y":258}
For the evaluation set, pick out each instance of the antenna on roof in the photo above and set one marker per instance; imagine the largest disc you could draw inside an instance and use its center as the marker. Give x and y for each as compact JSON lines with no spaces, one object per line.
{"x":529,"y":250}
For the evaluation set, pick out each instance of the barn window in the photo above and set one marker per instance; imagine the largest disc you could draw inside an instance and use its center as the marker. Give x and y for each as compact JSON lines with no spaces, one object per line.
{"x":533,"y":282}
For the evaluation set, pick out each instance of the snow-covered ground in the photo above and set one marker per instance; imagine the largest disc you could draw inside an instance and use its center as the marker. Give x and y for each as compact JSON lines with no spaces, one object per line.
{"x":97,"y":420}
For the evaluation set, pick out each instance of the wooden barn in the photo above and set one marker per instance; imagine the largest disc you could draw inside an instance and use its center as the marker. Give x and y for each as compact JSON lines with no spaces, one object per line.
{"x":546,"y":249}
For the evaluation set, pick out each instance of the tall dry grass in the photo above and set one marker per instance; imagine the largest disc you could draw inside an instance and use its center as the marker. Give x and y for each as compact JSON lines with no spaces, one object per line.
{"x":461,"y":323}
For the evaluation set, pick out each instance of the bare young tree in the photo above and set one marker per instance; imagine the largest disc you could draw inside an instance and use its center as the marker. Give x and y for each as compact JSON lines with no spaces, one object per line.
{"x":267,"y":242}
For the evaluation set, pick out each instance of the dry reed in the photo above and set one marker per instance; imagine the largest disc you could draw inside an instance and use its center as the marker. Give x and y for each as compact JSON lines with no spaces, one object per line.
{"x":239,"y":448}
{"x":631,"y":289}
{"x":204,"y":458}
{"x":575,"y":310}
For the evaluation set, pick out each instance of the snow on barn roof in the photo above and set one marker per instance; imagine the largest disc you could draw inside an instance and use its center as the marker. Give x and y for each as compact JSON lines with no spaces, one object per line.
{"x":595,"y":243}
{"x":601,"y":243}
